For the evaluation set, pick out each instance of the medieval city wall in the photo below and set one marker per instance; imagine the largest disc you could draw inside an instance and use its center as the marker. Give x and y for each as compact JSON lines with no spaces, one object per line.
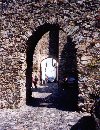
{"x":79,"y":20}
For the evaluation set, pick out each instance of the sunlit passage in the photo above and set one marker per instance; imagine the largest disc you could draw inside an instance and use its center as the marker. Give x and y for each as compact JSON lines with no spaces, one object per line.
{"x":46,"y":95}
{"x":49,"y":70}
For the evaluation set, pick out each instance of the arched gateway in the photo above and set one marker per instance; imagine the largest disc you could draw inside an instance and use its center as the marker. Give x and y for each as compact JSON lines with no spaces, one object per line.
{"x":49,"y":70}
{"x":31,"y":44}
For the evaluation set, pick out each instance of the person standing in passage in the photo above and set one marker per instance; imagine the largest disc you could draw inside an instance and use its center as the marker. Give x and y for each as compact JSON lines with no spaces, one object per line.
{"x":35,"y":80}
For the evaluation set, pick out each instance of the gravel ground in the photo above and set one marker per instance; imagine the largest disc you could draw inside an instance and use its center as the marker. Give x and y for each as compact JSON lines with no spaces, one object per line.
{"x":38,"y":118}
{"x":43,"y":117}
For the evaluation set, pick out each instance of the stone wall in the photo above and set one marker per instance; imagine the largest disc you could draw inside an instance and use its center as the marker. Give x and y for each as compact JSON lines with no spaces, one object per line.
{"x":77,"y":19}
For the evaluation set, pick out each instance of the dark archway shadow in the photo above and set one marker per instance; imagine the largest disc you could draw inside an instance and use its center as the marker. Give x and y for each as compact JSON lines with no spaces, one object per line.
{"x":52,"y":97}
{"x":68,"y":68}
{"x":85,"y":123}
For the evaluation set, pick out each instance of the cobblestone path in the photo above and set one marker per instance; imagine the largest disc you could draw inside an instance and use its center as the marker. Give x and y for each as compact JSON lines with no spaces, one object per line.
{"x":44,"y":114}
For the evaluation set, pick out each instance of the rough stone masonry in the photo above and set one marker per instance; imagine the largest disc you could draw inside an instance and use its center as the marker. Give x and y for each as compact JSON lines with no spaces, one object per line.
{"x":20,"y":19}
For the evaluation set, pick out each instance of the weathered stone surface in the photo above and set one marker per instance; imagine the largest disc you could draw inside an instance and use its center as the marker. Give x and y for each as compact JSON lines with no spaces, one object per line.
{"x":38,"y":118}
{"x":20,"y":19}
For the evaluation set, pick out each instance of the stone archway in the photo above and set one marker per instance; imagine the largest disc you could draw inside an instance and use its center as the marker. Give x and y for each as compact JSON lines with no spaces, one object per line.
{"x":31,"y":44}
{"x":49,"y":70}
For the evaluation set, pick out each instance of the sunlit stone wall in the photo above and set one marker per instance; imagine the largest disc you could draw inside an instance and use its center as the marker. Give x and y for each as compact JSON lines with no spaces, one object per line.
{"x":79,"y":19}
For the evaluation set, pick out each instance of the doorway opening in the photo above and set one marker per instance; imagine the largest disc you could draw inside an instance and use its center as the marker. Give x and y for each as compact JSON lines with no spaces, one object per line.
{"x":52,"y":96}
{"x":53,"y":30}
{"x":49,"y":71}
